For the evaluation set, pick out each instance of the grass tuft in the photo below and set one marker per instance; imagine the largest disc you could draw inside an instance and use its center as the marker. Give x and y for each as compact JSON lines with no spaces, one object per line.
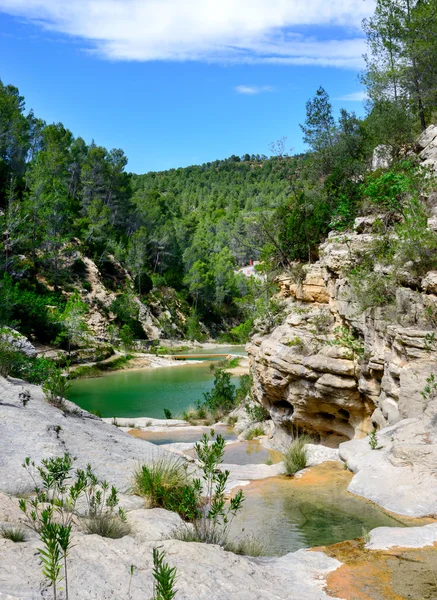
{"x":296,"y":457}
{"x":248,"y":545}
{"x":15,"y":534}
{"x":108,"y":526}
{"x":254,"y":433}
{"x":164,"y":483}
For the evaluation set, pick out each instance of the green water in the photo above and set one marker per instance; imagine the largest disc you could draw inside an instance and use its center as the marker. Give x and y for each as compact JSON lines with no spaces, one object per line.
{"x":289,"y":514}
{"x":145,"y":392}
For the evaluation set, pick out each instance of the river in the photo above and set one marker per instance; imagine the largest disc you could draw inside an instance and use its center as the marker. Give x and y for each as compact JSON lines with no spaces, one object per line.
{"x":146,"y":392}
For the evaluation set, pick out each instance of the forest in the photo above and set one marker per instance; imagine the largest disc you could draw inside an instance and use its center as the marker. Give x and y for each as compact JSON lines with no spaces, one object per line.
{"x":184,"y":232}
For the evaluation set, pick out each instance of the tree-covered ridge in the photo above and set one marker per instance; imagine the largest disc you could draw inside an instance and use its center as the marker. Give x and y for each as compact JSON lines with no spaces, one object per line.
{"x":181,"y":234}
{"x":186,"y":229}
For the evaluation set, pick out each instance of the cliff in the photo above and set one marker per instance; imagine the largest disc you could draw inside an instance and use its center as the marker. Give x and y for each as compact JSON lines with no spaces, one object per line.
{"x":334,"y":370}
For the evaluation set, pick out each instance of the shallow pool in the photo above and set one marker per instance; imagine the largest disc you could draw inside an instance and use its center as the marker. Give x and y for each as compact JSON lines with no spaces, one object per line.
{"x":315,"y":510}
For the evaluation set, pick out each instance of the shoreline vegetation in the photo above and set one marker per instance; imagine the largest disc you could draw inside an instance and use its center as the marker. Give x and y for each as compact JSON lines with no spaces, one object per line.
{"x":236,"y":365}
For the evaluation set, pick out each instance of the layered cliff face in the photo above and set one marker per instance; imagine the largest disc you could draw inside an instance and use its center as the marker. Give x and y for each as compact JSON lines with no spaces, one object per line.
{"x":334,"y":370}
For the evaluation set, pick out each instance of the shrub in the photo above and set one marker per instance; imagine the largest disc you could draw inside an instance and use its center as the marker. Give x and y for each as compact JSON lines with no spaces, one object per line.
{"x":56,"y":386}
{"x":7,"y":357}
{"x":222,"y":397}
{"x":244,"y":388}
{"x":371,"y":288}
{"x":296,"y":457}
{"x":216,"y":515}
{"x":239,"y":334}
{"x":165,"y":484}
{"x":15,"y":534}
{"x":256,"y":412}
{"x":253,"y":433}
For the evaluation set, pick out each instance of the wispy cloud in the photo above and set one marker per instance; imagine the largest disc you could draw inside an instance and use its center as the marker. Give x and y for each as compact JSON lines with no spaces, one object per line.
{"x":353,"y":97}
{"x":251,"y":90}
{"x":243,"y":31}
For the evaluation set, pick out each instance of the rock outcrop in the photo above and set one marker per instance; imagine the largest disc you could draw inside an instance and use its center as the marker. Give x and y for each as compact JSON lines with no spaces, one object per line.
{"x":39,"y":430}
{"x":335,"y":370}
{"x":400,"y":473}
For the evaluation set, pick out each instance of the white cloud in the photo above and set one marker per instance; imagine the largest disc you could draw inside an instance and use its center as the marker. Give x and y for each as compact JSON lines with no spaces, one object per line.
{"x":229,"y":31}
{"x":353,"y":97}
{"x":251,"y":90}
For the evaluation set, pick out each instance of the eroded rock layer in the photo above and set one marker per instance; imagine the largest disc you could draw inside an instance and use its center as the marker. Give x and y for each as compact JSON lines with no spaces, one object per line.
{"x":334,"y":370}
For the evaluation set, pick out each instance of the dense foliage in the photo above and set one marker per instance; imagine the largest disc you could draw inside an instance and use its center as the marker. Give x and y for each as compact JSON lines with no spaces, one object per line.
{"x":183,"y":233}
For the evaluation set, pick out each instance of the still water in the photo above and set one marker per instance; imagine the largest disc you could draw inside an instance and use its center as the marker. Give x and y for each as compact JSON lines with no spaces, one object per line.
{"x":144,"y":392}
{"x":315,"y":510}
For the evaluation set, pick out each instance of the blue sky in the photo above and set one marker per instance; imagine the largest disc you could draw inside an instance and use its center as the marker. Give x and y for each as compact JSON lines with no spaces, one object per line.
{"x":177,"y":83}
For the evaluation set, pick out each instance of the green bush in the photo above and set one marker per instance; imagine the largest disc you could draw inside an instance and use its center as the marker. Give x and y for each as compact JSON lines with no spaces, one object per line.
{"x":372,"y":289}
{"x":256,"y":412}
{"x":30,"y":311}
{"x":32,"y":369}
{"x":296,"y":457}
{"x":239,"y":334}
{"x":222,"y":397}
{"x":165,"y":484}
{"x":56,"y":386}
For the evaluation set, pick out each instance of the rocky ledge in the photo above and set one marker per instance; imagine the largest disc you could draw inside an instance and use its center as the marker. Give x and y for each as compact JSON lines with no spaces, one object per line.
{"x":334,"y":370}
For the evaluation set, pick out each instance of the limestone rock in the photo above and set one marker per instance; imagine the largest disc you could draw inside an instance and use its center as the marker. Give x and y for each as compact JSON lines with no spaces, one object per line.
{"x":384,"y":538}
{"x":427,"y":137}
{"x":40,"y":430}
{"x":400,"y":474}
{"x":18,"y":341}
{"x":382,"y":157}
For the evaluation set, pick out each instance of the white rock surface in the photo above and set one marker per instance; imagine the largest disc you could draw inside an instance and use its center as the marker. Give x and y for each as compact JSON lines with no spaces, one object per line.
{"x":18,"y":341}
{"x":400,"y":475}
{"x":99,"y":569}
{"x":318,"y":454}
{"x":40,"y":430}
{"x":383,"y":538}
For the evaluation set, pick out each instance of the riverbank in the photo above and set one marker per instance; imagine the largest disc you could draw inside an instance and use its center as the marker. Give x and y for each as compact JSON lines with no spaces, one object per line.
{"x":142,"y":360}
{"x":100,"y":567}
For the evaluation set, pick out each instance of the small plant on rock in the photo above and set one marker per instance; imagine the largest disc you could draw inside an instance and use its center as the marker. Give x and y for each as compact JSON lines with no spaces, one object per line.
{"x":296,"y":457}
{"x":56,"y":387}
{"x":373,"y":440}
{"x":253,"y":433}
{"x":165,"y":484}
{"x":216,"y":516}
{"x":429,"y":392}
{"x":167,"y":413}
{"x":53,"y":507}
{"x":164,"y":577}
{"x":256,"y":412}
{"x":14,"y":534}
